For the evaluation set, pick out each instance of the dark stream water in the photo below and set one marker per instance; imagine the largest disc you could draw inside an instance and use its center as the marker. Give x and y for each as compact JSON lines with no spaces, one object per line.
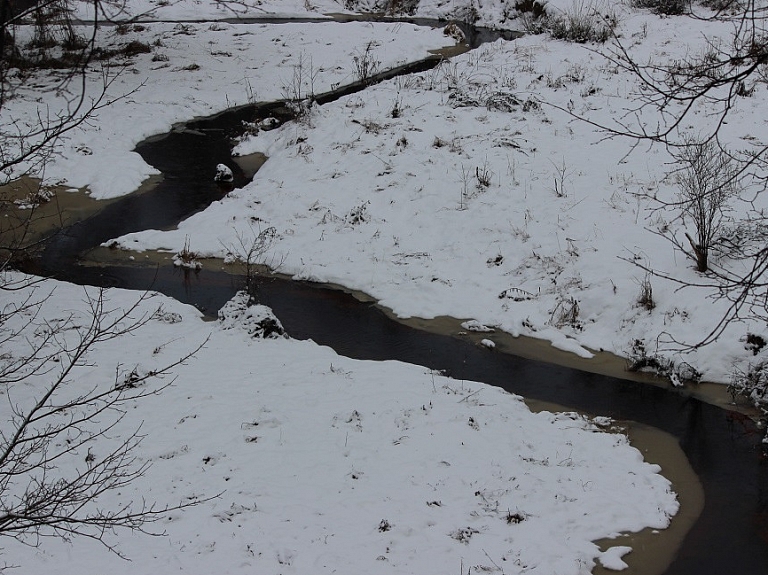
{"x":730,"y":537}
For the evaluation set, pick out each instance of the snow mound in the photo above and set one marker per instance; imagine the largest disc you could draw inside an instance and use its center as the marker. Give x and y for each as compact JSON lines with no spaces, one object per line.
{"x":223,"y":174}
{"x":474,"y":325}
{"x":255,"y":319}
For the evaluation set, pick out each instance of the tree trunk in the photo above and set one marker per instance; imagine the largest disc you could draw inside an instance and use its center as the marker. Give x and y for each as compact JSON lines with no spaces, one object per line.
{"x":701,"y":253}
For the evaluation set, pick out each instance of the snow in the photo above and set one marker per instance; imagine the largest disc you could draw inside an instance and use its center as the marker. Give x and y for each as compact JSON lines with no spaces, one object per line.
{"x":611,"y":558}
{"x":223,"y":174}
{"x":477,"y":162}
{"x":321,"y":463}
{"x":465,"y":191}
{"x":474,"y":325}
{"x":493,"y":12}
{"x":211,"y":66}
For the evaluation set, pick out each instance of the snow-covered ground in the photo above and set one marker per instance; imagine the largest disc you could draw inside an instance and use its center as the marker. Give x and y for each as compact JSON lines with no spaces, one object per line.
{"x":469,"y":190}
{"x":492,"y":13}
{"x":199,"y":69}
{"x":466,"y":191}
{"x":329,"y":465}
{"x":460,"y":191}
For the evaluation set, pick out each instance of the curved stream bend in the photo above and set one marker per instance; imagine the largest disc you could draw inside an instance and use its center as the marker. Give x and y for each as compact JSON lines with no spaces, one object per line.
{"x":731,"y":535}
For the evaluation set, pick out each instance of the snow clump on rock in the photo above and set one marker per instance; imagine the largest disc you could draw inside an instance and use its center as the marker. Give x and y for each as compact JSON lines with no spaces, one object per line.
{"x":255,"y":319}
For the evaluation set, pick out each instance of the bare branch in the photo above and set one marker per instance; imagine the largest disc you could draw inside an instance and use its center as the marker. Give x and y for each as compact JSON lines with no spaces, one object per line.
{"x":62,"y":451}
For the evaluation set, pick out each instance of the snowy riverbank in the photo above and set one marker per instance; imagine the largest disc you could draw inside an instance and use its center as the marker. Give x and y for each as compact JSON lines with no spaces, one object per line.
{"x":462,"y":191}
{"x":328,"y":464}
{"x":466,"y":191}
{"x":470,"y":191}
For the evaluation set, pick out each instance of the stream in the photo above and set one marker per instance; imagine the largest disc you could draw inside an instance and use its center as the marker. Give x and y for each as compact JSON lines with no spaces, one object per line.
{"x":723,"y":447}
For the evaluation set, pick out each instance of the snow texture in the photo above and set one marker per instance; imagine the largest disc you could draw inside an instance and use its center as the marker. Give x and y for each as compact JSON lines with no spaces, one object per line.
{"x":319,"y":463}
{"x":468,"y":191}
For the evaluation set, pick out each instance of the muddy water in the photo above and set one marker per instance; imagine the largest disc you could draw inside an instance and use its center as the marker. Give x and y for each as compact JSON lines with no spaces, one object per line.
{"x":722,"y":446}
{"x":31,"y":211}
{"x":653,"y":551}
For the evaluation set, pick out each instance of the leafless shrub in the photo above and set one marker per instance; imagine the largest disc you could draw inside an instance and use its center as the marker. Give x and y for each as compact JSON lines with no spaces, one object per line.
{"x":483,"y":175}
{"x":464,"y":534}
{"x":299,"y":89}
{"x":534,"y":23}
{"x":559,"y":177}
{"x":358,"y":214}
{"x":666,"y":7}
{"x":370,"y":126}
{"x":575,"y":73}
{"x":566,"y":313}
{"x":465,"y":188}
{"x":186,"y":258}
{"x":365,"y":63}
{"x":752,"y":384}
{"x":252,"y":249}
{"x":502,"y":101}
{"x":583,"y":22}
{"x":754,"y":343}
{"x":397,"y":107}
{"x":532,"y":8}
{"x":708,"y":182}
{"x":514,"y":518}
{"x":645,"y":298}
{"x":388,"y":7}
{"x":454,"y":145}
{"x":128,"y":50}
{"x":531,"y":104}
{"x":640,"y":359}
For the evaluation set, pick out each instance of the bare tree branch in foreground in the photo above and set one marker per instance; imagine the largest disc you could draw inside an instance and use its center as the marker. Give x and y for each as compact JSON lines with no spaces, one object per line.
{"x":70,"y":63}
{"x":66,"y":443}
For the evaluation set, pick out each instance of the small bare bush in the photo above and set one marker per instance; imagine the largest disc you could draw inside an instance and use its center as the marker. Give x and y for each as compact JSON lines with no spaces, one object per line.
{"x":708,"y":182}
{"x":583,"y":22}
{"x":186,"y":258}
{"x":534,"y":8}
{"x":252,"y":249}
{"x":645,"y":298}
{"x":366,"y":65}
{"x":666,"y":7}
{"x":566,"y":313}
{"x":754,"y":343}
{"x":532,"y":15}
{"x":358,"y":215}
{"x":388,"y":7}
{"x":640,"y":359}
{"x":483,"y":175}
{"x":752,"y":384}
{"x":299,"y":89}
{"x":559,"y":177}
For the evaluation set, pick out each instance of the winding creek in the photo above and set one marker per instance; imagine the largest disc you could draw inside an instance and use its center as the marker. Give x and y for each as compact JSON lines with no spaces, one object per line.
{"x":722,"y":446}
